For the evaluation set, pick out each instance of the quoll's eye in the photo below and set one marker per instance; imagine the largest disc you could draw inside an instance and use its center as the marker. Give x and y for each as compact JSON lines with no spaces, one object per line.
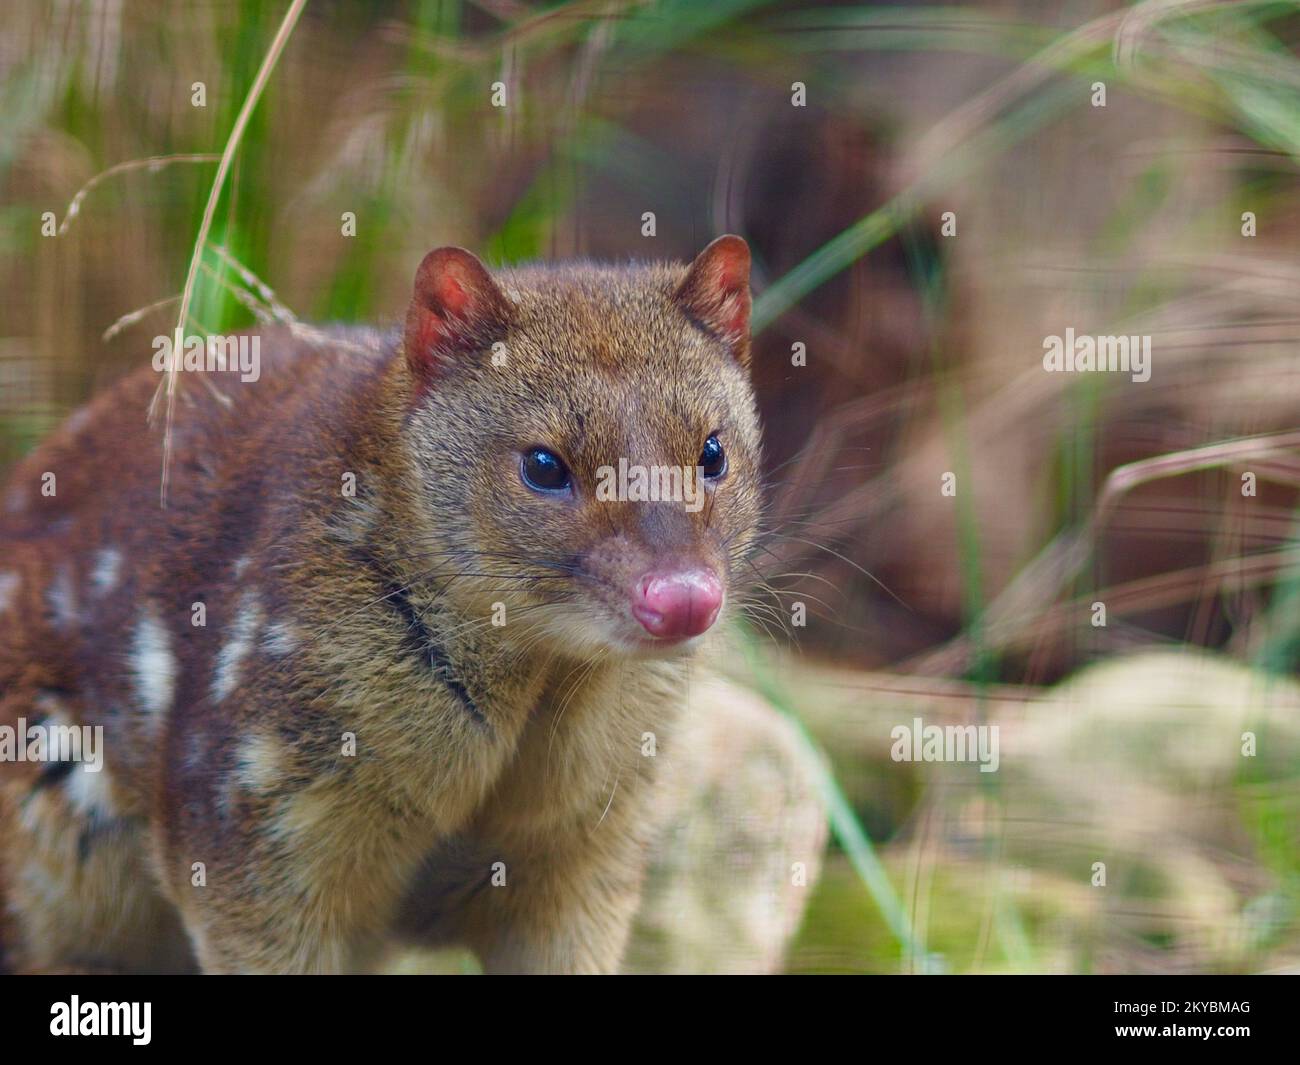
{"x":544,"y":470}
{"x":713,"y":460}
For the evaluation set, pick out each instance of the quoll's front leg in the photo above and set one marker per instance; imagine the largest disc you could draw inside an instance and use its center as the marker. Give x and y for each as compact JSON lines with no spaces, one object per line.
{"x":561,"y":905}
{"x":294,"y":912}
{"x":281,"y":879}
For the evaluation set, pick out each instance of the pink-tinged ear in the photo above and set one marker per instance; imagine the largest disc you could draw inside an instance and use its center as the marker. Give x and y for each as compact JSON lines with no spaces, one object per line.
{"x":456,"y":309}
{"x":716,"y":293}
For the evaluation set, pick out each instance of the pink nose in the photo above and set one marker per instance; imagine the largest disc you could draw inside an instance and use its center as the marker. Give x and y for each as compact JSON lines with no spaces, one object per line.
{"x":673,"y":606}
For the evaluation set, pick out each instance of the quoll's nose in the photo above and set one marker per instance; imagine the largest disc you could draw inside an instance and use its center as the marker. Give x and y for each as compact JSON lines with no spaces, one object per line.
{"x":674,"y":605}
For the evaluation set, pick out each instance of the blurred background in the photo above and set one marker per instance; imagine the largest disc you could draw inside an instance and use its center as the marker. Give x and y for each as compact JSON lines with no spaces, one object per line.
{"x":929,"y":192}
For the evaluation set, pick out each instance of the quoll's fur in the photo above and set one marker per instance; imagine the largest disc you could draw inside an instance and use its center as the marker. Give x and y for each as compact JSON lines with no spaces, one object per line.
{"x":515,"y":749}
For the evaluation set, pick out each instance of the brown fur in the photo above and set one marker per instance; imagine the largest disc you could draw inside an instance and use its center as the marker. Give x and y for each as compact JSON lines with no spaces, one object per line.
{"x":519,"y":744}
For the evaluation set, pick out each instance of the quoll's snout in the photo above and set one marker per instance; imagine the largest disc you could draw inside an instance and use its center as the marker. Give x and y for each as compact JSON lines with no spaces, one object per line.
{"x":677,"y":604}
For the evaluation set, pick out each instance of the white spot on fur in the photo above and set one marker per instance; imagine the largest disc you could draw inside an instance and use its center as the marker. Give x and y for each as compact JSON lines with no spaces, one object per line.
{"x":77,"y":420}
{"x":34,"y":818}
{"x":280,"y":638}
{"x":153,"y":663}
{"x":233,"y":652}
{"x":259,"y":763}
{"x":89,"y":793}
{"x":9,"y":582}
{"x":62,"y":597}
{"x":53,"y":710}
{"x":107,"y":570}
{"x":241,"y":564}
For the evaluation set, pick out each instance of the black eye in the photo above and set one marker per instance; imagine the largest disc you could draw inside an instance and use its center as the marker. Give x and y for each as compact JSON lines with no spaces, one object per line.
{"x":544,"y":470}
{"x":713,"y":460}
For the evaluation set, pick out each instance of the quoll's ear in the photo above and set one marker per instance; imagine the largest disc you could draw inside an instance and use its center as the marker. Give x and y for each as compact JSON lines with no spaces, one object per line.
{"x":456,"y":308}
{"x":716,"y":293}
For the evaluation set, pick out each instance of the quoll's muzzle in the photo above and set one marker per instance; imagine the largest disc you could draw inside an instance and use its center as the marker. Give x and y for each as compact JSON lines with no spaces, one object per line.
{"x":675,"y":605}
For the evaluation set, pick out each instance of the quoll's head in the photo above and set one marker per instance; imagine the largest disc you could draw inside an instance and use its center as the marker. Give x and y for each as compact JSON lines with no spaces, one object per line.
{"x":596,"y":427}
